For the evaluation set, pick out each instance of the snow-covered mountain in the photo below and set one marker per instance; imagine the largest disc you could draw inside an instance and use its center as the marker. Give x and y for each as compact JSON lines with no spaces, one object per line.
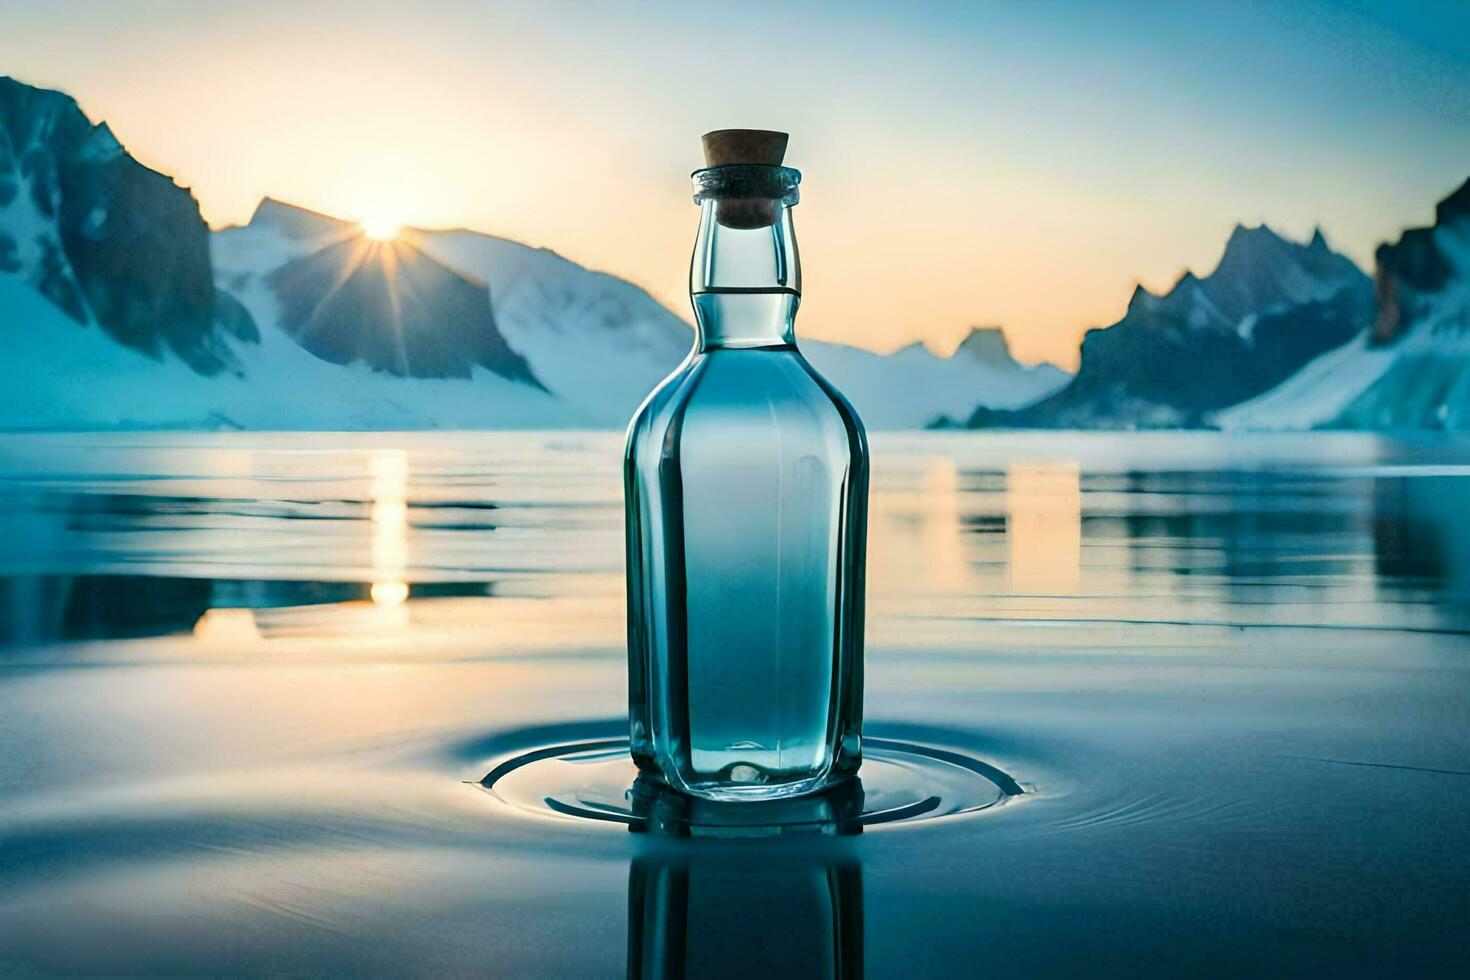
{"x":116,"y":247}
{"x":119,"y":308}
{"x":980,"y":372}
{"x":110,"y":314}
{"x":351,"y":299}
{"x":1411,"y":368}
{"x":603,"y":343}
{"x":1270,"y":306}
{"x":598,"y":343}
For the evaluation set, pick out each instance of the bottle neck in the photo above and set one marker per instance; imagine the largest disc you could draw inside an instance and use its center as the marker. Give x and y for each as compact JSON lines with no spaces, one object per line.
{"x":745,"y":320}
{"x":745,"y":277}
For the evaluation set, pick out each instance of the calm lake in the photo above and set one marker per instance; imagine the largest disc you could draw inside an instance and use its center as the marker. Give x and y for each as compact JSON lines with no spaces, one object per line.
{"x":249,"y":684}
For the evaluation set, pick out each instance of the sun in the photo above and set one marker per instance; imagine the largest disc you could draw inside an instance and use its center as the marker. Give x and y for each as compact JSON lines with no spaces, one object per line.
{"x":380,"y":229}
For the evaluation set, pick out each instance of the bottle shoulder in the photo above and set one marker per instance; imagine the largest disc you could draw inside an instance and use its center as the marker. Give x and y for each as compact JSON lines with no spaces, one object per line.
{"x":658,"y":404}
{"x":740,"y":389}
{"x":838,"y":400}
{"x":753,"y":376}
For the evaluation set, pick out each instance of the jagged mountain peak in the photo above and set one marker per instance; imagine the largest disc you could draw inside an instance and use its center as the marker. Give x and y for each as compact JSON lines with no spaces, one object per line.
{"x":105,"y":239}
{"x":295,"y":221}
{"x":40,"y":120}
{"x":986,"y":344}
{"x":1244,"y":233}
{"x":45,"y":105}
{"x":1454,"y":208}
{"x":1251,"y":246}
{"x":1260,"y":269}
{"x":1186,"y":279}
{"x":1268,"y":307}
{"x":1422,"y":262}
{"x":102,"y":145}
{"x":1141,"y":298}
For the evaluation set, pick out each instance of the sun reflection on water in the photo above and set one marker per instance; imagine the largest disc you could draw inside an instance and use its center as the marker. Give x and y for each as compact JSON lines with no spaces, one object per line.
{"x":389,"y":518}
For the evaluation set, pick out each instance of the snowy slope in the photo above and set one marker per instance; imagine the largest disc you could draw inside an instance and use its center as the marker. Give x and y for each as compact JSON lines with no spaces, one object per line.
{"x":1316,"y":394}
{"x":594,"y":340}
{"x":1411,"y":369}
{"x":58,"y":374}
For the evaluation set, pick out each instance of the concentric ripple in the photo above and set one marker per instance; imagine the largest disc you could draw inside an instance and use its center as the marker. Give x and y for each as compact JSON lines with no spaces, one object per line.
{"x":596,"y":780}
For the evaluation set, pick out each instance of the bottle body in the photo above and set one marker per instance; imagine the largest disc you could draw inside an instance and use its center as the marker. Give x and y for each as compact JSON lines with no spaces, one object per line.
{"x":746,"y":491}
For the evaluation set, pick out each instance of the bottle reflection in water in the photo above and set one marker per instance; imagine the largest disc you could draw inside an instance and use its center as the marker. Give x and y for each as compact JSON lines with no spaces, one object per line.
{"x":740,"y":908}
{"x":701,"y":917}
{"x":746,"y":490}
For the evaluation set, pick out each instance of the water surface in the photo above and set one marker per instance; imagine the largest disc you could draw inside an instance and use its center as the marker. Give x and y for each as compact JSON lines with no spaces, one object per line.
{"x":248,"y":683}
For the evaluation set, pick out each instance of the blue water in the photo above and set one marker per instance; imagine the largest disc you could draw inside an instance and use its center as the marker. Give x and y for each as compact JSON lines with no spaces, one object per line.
{"x":250,"y":683}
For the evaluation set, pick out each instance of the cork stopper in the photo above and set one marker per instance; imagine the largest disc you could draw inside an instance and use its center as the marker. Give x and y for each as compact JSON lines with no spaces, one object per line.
{"x":727,"y":147}
{"x":744,"y":147}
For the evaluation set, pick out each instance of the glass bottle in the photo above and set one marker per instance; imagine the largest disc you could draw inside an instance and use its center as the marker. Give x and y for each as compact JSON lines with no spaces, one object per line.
{"x":746,"y":484}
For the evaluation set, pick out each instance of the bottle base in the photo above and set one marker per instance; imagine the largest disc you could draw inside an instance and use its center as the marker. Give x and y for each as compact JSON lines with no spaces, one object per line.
{"x":732,"y":791}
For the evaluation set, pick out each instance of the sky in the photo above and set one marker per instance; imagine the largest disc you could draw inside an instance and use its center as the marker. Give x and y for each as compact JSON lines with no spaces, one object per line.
{"x":964,"y":164}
